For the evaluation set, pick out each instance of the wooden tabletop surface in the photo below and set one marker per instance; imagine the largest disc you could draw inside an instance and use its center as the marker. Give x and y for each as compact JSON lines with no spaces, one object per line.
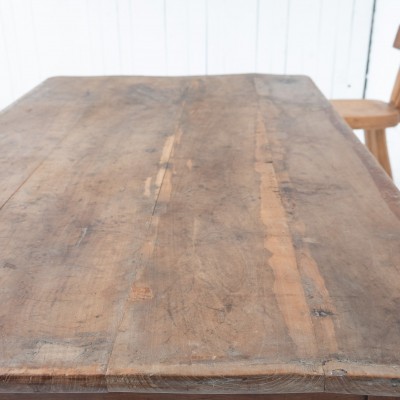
{"x":204,"y":235}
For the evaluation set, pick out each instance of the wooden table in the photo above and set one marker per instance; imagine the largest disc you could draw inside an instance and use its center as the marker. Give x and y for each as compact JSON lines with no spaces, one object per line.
{"x":202,"y":236}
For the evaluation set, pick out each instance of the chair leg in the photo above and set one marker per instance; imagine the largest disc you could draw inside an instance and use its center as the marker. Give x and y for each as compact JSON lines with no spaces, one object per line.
{"x":376,"y":143}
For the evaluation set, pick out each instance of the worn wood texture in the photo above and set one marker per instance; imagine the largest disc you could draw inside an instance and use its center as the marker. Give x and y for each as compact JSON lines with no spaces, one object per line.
{"x":367,"y":114}
{"x":375,"y":140}
{"x":382,"y":398}
{"x":200,"y":235}
{"x":146,"y":396}
{"x":374,"y":117}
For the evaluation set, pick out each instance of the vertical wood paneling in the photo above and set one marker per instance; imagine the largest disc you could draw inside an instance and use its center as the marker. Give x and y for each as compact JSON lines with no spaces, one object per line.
{"x":326,"y":46}
{"x":362,"y":13}
{"x":177,"y":44}
{"x":351,"y":47}
{"x":9,"y":41}
{"x":6,"y":87}
{"x":325,"y":39}
{"x":197,"y":37}
{"x":272,"y":36}
{"x":215,"y":36}
{"x":384,"y":63}
{"x":231,"y":36}
{"x":341,"y":47}
{"x":149,"y":37}
{"x":70,"y":35}
{"x":23,"y":45}
{"x":110,"y":35}
{"x":185,"y":37}
{"x":304,"y":22}
{"x":125,"y":32}
{"x":103,"y":37}
{"x":344,"y":47}
{"x":95,"y":45}
{"x":314,"y":37}
{"x":62,"y":37}
{"x":240,"y":31}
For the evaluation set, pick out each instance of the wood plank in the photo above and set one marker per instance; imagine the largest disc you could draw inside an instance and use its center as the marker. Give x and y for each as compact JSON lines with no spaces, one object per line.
{"x":382,"y":74}
{"x":9,"y":52}
{"x":214,"y":235}
{"x":198,"y":305}
{"x":62,"y":39}
{"x":362,"y":15}
{"x":125,"y":33}
{"x":231,"y":36}
{"x":375,"y":140}
{"x":367,"y":114}
{"x":303,"y":39}
{"x":345,"y":377}
{"x":382,"y":398}
{"x":148,"y":37}
{"x":94,"y":46}
{"x":205,"y":267}
{"x":272,"y":36}
{"x":142,"y":396}
{"x":35,"y":125}
{"x":197,"y":33}
{"x":347,"y":254}
{"x":70,"y":235}
{"x":326,"y":51}
{"x":353,"y":27}
{"x":6,"y":93}
{"x":18,"y":37}
{"x":129,"y":37}
{"x":186,"y":37}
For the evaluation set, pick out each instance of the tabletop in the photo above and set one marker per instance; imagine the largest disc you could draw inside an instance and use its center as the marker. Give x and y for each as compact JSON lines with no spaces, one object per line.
{"x":199,"y":235}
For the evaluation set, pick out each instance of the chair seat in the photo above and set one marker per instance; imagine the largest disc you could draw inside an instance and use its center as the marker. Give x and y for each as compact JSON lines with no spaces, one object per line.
{"x":367,"y":114}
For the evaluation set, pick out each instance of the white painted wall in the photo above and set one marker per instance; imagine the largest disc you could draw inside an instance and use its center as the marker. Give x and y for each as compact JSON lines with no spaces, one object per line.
{"x":384,"y":63}
{"x":325,"y":39}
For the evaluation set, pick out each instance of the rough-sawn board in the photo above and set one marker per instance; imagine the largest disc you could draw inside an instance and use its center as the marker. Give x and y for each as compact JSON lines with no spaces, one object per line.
{"x":201,"y":235}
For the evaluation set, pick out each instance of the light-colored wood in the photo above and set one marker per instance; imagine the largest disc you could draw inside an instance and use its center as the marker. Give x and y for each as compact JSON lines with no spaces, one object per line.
{"x":374,"y":117}
{"x":375,"y":140}
{"x":29,"y":138}
{"x":74,"y":220}
{"x":346,"y":377}
{"x":367,"y":114}
{"x":214,"y":235}
{"x":329,"y":40}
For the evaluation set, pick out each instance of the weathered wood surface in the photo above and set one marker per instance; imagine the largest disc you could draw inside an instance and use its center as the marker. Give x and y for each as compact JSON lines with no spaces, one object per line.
{"x":153,"y":396}
{"x":197,"y":235}
{"x":367,"y":114}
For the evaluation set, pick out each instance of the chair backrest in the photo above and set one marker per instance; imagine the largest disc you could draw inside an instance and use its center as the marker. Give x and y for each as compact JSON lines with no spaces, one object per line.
{"x":395,"y":97}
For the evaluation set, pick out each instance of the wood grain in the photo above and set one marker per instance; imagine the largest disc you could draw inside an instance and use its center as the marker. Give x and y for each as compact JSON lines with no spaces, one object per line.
{"x":70,"y":235}
{"x":204,"y":236}
{"x":374,"y":116}
{"x":368,"y":114}
{"x":33,"y":126}
{"x":375,"y":140}
{"x":141,"y":396}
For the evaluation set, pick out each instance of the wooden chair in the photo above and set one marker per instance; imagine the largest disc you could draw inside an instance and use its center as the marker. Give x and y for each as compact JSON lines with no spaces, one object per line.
{"x":374,"y":117}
